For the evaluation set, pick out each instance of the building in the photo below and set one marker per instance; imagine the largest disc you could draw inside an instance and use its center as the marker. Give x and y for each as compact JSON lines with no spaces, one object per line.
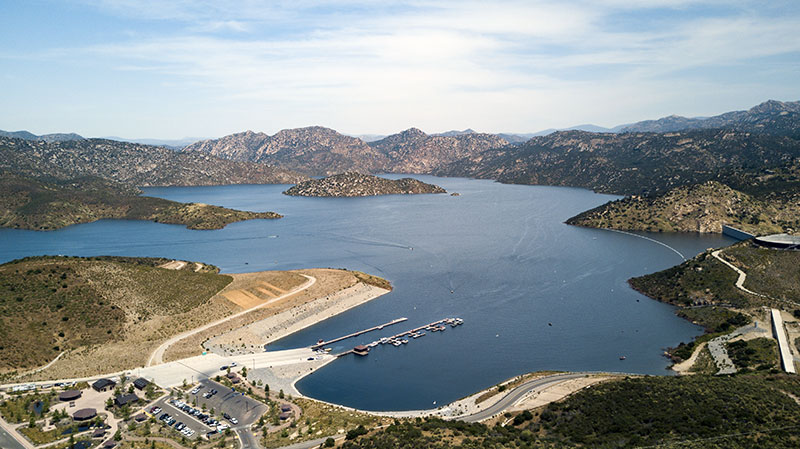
{"x":782,"y":241}
{"x":104,"y":385}
{"x":84,"y":414}
{"x":69,"y":395}
{"x":286,"y":408}
{"x":361,"y":350}
{"x":125,"y":399}
{"x":141,"y":383}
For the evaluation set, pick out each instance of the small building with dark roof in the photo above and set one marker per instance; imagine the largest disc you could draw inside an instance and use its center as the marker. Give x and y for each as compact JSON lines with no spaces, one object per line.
{"x":109,"y":444}
{"x":125,"y":399}
{"x":99,"y":433}
{"x":141,"y":383}
{"x":361,"y":350}
{"x":69,"y":395}
{"x":140,"y":417}
{"x":84,"y":414}
{"x":286,"y":408}
{"x":230,"y":375}
{"x":104,"y":385}
{"x":285,"y":415}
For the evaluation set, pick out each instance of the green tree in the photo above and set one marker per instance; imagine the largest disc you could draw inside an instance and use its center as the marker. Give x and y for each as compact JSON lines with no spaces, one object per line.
{"x":330,"y":442}
{"x":280,"y":394}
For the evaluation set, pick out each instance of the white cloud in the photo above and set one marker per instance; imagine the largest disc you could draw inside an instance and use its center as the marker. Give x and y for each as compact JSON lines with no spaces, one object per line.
{"x":375,"y":66}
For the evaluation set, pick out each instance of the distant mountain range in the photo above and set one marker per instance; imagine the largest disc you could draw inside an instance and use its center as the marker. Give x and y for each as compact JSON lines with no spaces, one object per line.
{"x":772,"y":117}
{"x":174,"y":144}
{"x":646,"y":157}
{"x":130,"y":163}
{"x":57,"y":137}
{"x":629,"y":163}
{"x":322,"y":151}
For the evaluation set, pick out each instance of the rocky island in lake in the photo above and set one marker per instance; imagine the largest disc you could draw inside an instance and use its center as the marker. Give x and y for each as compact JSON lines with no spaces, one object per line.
{"x":357,"y":184}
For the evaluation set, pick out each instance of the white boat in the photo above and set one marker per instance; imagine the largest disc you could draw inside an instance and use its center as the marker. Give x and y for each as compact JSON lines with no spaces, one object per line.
{"x":396,"y":343}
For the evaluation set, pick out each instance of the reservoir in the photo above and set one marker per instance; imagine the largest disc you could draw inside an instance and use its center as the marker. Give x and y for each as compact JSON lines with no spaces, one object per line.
{"x":534,"y":293}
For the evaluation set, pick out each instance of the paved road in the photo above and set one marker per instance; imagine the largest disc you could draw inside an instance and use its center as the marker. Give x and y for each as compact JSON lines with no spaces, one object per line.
{"x":9,"y":442}
{"x":312,"y":443}
{"x":247,"y":438}
{"x":157,"y":356}
{"x":517,"y":393}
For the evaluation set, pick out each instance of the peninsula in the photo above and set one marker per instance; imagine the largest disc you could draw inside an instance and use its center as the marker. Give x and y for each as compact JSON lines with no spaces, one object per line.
{"x":351,"y":184}
{"x":27,"y":203}
{"x":105,"y":314}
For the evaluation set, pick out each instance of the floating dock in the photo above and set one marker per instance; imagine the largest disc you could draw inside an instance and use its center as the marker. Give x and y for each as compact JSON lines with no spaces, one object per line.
{"x":398,"y":340}
{"x":321,"y":344}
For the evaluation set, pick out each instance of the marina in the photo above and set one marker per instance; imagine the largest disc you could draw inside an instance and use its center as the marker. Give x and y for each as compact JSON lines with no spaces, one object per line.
{"x":397,"y":340}
{"x":322,"y":343}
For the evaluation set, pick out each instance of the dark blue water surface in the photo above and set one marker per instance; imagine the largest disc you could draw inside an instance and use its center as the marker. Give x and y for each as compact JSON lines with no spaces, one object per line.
{"x":535,"y":293}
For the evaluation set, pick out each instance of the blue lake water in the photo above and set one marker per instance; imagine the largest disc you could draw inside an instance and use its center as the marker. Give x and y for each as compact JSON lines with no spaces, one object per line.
{"x":535,"y":293}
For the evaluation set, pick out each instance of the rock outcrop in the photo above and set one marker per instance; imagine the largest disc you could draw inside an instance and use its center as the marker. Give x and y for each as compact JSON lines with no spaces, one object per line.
{"x":356,"y":184}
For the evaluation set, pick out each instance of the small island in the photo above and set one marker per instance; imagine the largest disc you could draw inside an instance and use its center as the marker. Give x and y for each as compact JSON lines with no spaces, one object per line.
{"x":352,"y":184}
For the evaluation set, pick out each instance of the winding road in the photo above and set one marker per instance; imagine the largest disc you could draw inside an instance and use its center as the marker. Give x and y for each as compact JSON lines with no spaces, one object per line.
{"x":157,"y":357}
{"x":518,"y":393}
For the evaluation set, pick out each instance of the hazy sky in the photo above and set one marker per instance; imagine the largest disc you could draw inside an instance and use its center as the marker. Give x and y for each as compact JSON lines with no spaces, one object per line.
{"x":175,"y":68}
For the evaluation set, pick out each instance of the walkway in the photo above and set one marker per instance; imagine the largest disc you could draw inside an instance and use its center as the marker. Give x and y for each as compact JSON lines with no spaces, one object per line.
{"x":158,"y":355}
{"x":742,"y":275}
{"x":787,"y":361}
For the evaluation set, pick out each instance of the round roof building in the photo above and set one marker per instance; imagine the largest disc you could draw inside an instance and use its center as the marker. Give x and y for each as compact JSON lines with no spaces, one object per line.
{"x":84,"y":414}
{"x":69,"y":395}
{"x":779,"y":241}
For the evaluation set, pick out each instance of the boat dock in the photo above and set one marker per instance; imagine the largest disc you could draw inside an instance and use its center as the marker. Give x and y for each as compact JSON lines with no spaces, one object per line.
{"x":398,"y":340}
{"x":321,"y":344}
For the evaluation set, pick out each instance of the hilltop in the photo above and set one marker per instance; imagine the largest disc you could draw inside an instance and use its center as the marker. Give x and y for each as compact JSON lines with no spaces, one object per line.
{"x":314,"y":150}
{"x":413,"y":151}
{"x":130,"y":163}
{"x":631,"y":411}
{"x":697,"y":208}
{"x":27,"y":203}
{"x":53,"y":304}
{"x":322,"y":151}
{"x":771,"y":117}
{"x":629,"y":163}
{"x":356,"y":184}
{"x":55,"y":137}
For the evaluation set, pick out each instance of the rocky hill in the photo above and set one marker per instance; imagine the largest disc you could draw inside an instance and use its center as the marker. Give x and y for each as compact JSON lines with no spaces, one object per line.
{"x":55,"y":137}
{"x":131,"y":163}
{"x":772,"y":117}
{"x":39,"y":205}
{"x":413,"y":151}
{"x":52,"y":304}
{"x":321,"y":151}
{"x":698,"y":208}
{"x":356,"y":184}
{"x":314,"y":150}
{"x":629,"y":163}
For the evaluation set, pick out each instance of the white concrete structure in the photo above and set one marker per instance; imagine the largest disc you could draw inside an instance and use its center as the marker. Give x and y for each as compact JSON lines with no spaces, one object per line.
{"x":783,"y":344}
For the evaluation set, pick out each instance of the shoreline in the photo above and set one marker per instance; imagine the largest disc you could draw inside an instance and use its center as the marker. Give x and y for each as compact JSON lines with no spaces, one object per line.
{"x":276,"y":327}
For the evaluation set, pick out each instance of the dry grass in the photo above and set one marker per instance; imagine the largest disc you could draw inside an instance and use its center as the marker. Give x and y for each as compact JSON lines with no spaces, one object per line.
{"x":328,"y":281}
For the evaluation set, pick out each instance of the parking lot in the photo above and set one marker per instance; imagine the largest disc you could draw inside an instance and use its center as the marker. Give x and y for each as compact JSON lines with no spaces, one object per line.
{"x":244,"y":409}
{"x":180,"y":416}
